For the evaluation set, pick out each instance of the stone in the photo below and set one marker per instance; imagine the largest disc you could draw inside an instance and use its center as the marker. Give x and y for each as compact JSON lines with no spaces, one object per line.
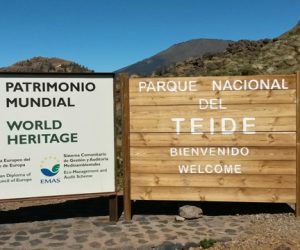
{"x":5,"y":238}
{"x":5,"y":233}
{"x":144,"y":223}
{"x":46,"y":235}
{"x":182,"y":233}
{"x":35,"y":242}
{"x":167,"y":245}
{"x":75,"y":247}
{"x":81,"y":238}
{"x":63,"y":226}
{"x":98,"y":224}
{"x":95,"y":244}
{"x":179,"y":218}
{"x":139,"y":235}
{"x":40,"y":230}
{"x":170,"y":237}
{"x":133,"y":230}
{"x":21,"y":233}
{"x":55,"y":244}
{"x":191,"y":244}
{"x":190,"y":212}
{"x":21,"y":238}
{"x":282,"y":247}
{"x":225,"y":239}
{"x":230,"y":231}
{"x":141,"y":241}
{"x":59,"y":237}
{"x":15,"y":244}
{"x":151,"y":232}
{"x":63,"y":231}
{"x":112,"y":229}
{"x":77,"y":232}
{"x":110,"y":242}
{"x":100,"y":235}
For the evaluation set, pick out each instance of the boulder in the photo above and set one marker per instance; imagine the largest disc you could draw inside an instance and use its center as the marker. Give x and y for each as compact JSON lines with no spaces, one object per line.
{"x":190,"y":212}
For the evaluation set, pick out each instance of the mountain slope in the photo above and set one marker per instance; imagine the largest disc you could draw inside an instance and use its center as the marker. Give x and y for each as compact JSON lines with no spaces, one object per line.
{"x":277,"y":56}
{"x":176,"y":53}
{"x":44,"y":64}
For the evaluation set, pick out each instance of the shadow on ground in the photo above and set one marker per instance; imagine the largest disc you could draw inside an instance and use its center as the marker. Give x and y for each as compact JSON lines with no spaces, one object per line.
{"x":99,"y":207}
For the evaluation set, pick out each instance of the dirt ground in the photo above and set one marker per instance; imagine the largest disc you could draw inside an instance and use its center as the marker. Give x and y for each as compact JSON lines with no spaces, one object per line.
{"x":267,"y":231}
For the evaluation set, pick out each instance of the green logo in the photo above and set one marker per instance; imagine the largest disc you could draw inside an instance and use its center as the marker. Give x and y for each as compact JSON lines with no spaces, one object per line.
{"x":53,"y":169}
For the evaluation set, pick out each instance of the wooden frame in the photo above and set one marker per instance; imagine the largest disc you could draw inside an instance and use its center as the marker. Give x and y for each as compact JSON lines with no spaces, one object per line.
{"x":112,"y":196}
{"x":298,"y":147}
{"x":146,"y":180}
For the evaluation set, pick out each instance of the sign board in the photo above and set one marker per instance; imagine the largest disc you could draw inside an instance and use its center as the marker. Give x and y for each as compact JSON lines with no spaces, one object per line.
{"x":56,"y":135}
{"x":229,"y":138}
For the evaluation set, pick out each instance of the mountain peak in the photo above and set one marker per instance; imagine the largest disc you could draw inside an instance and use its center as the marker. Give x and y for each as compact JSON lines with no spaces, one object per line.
{"x":177,"y":52}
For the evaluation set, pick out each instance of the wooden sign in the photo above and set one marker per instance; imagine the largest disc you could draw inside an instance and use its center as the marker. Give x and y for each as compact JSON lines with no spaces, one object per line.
{"x":229,"y":138}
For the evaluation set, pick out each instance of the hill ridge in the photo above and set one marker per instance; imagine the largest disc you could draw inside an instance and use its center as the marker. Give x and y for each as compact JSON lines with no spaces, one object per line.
{"x":177,"y":52}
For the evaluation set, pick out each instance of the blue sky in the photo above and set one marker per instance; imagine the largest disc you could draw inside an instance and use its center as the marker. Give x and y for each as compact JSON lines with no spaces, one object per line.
{"x":106,"y":35}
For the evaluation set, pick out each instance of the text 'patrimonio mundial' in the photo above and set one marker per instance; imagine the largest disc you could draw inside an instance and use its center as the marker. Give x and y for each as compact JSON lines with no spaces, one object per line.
{"x":17,"y":89}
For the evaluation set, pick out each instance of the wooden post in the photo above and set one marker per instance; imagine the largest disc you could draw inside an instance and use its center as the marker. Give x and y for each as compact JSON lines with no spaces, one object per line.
{"x":298,"y":146}
{"x":126,"y":144}
{"x":113,"y":208}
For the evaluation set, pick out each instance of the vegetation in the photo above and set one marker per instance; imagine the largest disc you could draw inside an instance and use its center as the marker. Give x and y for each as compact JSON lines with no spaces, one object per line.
{"x":207,"y":243}
{"x":46,"y":65}
{"x":277,"y":56}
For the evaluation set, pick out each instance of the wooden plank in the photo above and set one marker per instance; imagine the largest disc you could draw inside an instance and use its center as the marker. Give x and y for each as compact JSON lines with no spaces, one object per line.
{"x":236,"y":139}
{"x":126,"y":144}
{"x":228,"y":97}
{"x":213,"y":180}
{"x":113,"y":208}
{"x":247,"y":167}
{"x":205,"y":83}
{"x":214,"y":194}
{"x":298,"y":147}
{"x":160,"y":125}
{"x":211,"y":153}
{"x":233,"y":111}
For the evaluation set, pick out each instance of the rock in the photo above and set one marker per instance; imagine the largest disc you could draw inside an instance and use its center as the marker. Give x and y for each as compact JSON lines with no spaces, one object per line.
{"x":282,"y":247}
{"x":179,"y":218}
{"x":190,"y":212}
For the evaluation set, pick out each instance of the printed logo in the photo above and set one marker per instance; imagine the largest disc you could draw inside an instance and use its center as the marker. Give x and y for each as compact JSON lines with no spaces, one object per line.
{"x":50,"y":167}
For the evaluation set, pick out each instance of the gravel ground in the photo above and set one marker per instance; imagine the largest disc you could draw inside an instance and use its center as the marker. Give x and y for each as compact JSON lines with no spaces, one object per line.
{"x":267,"y":231}
{"x":279,"y":231}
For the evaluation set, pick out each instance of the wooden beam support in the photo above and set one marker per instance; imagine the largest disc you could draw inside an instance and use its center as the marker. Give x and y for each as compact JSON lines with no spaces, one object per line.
{"x":113,"y":208}
{"x":126,"y":144}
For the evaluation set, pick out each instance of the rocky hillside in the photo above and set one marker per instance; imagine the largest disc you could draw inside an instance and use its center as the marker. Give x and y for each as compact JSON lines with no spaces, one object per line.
{"x":176,"y":53}
{"x":44,"y":64}
{"x":276,"y":56}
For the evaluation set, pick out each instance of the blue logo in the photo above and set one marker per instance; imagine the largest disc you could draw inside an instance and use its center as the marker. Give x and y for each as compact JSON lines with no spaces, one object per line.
{"x":54,"y":170}
{"x":50,"y":166}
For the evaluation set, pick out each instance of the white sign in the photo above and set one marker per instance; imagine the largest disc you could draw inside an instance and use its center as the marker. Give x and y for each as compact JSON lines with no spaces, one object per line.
{"x":56,"y":135}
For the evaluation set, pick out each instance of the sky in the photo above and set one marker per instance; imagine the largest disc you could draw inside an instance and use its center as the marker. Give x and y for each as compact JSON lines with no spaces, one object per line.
{"x":106,"y":35}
